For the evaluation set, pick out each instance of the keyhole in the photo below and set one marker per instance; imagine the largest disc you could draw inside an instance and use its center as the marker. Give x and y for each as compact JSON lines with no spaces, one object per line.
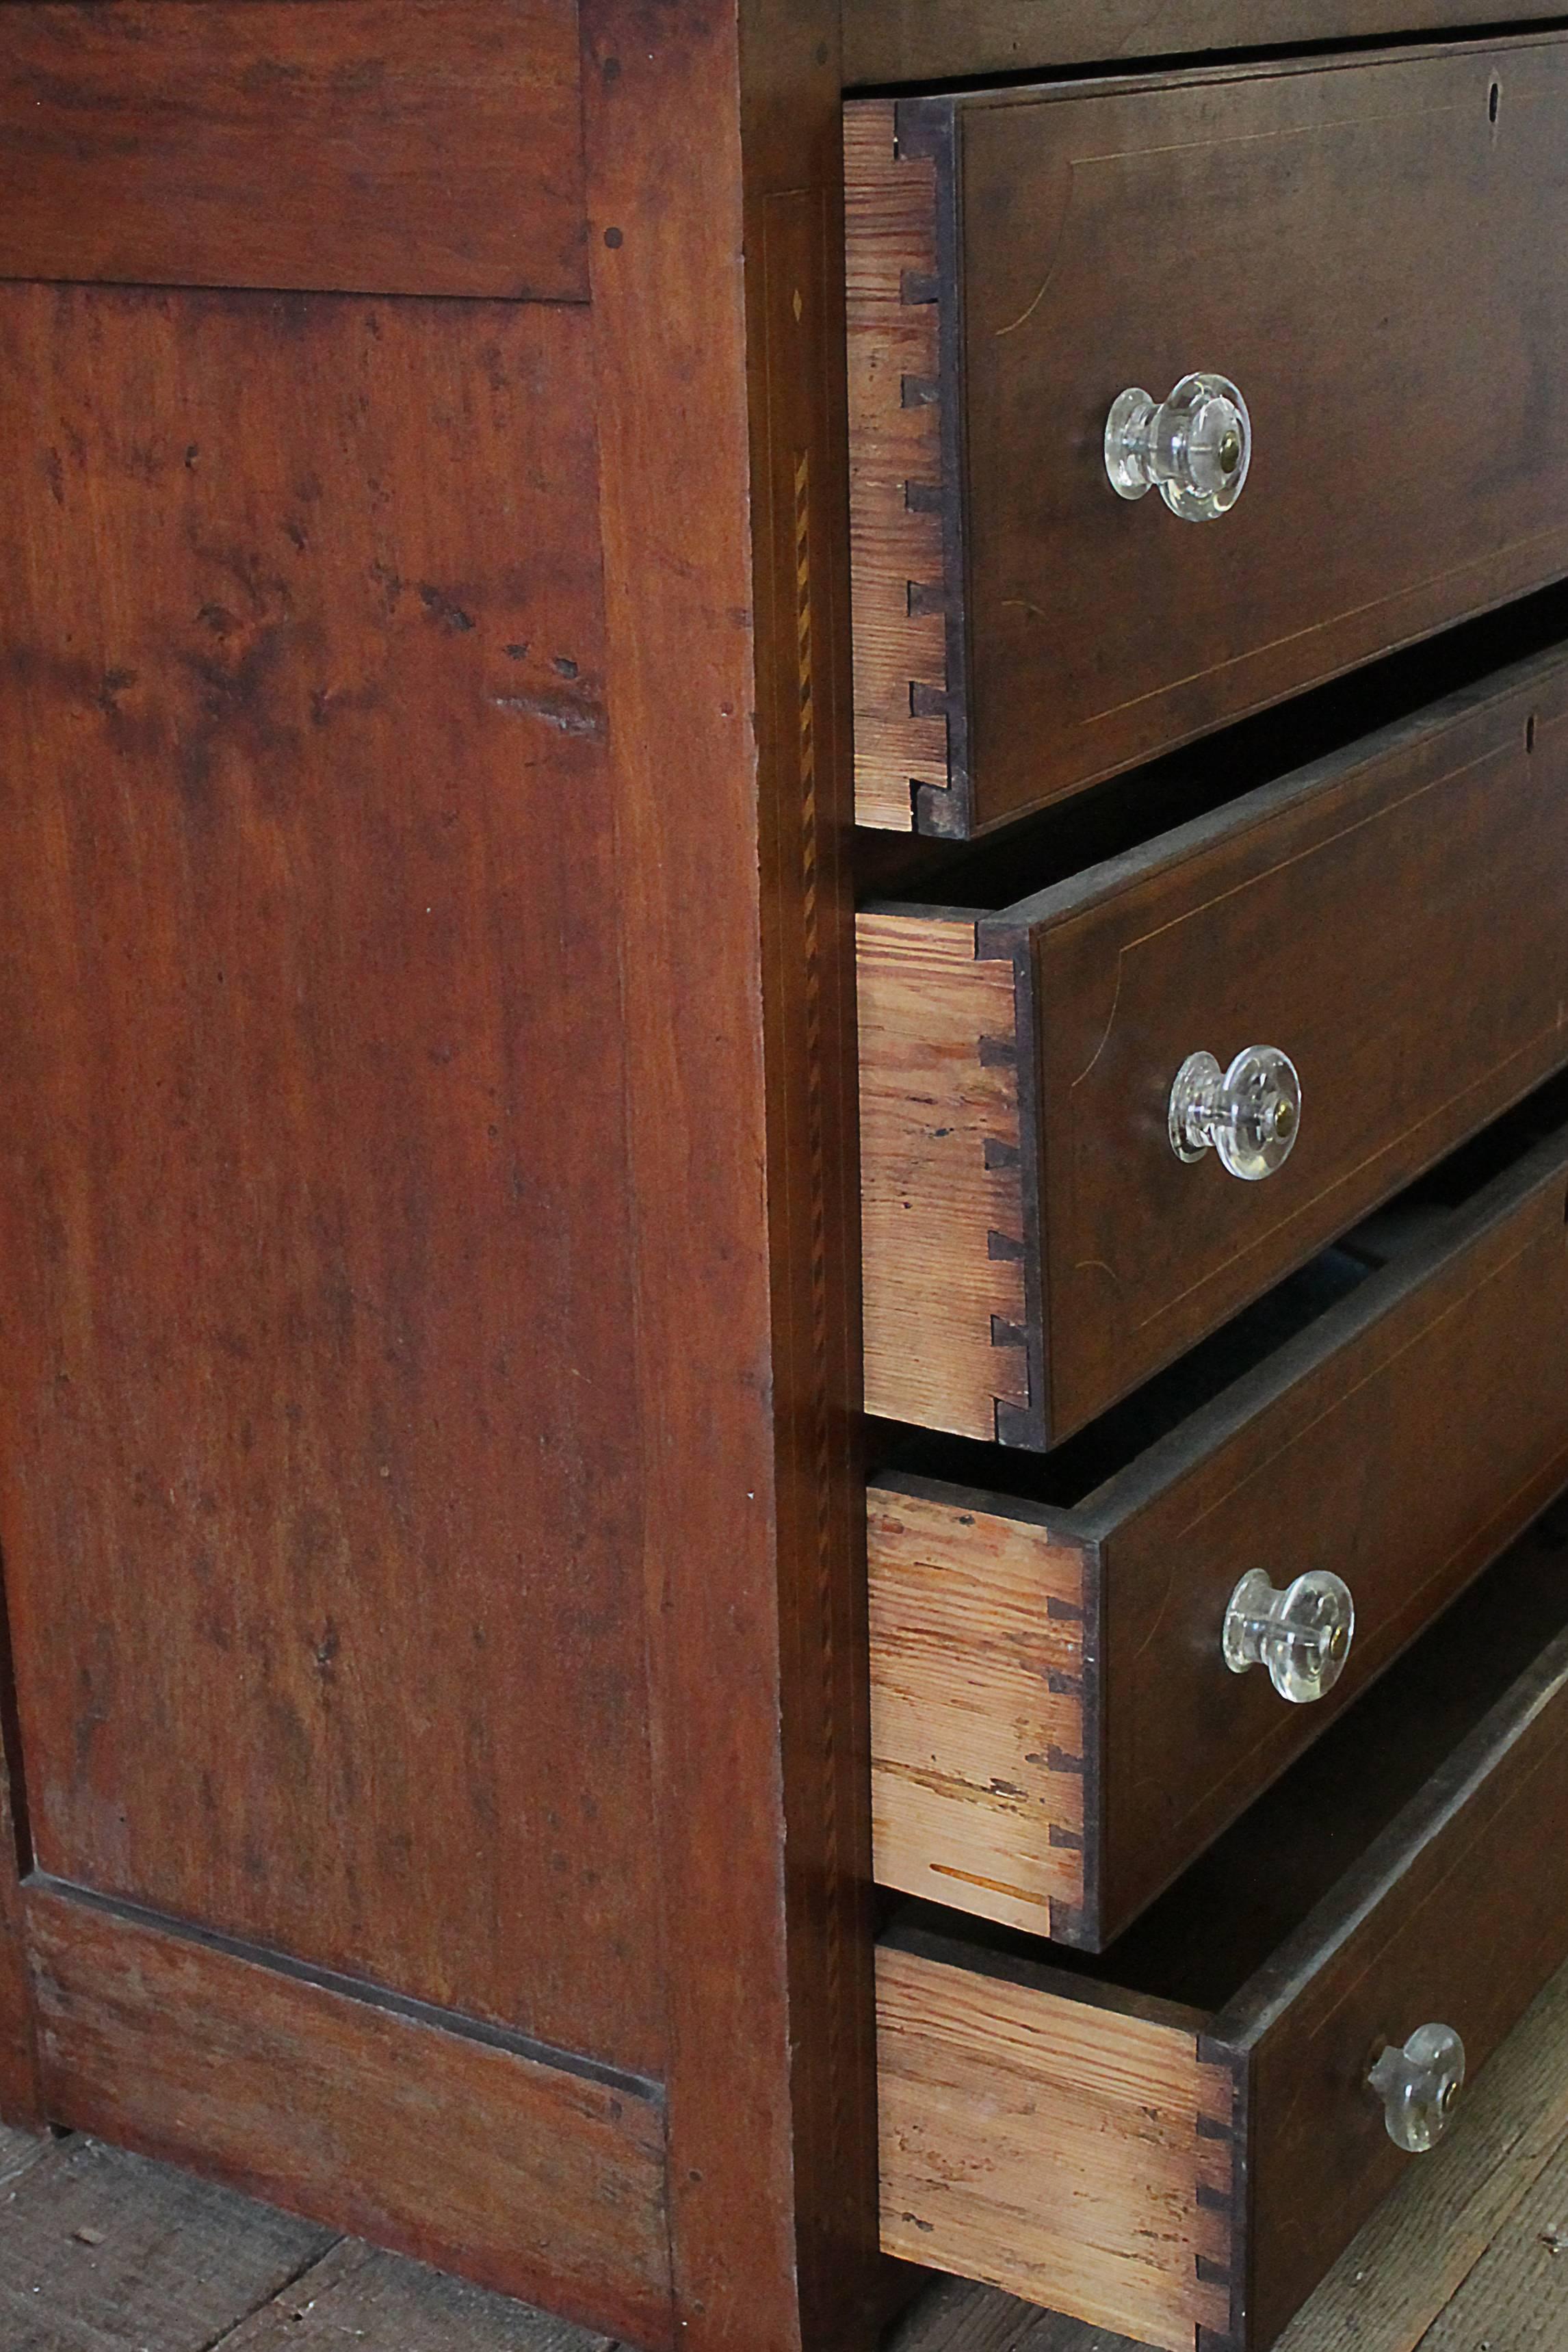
{"x":1530,"y":732}
{"x":1494,"y":99}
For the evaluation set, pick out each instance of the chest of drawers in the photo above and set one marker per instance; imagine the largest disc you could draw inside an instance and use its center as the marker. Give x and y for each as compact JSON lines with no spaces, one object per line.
{"x":458,"y":1780}
{"x":1178,"y":1451}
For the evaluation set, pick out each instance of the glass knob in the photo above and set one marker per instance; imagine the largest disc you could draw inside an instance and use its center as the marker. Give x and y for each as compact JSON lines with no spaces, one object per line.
{"x":1419,"y":2086}
{"x":1250,"y":1114}
{"x":1302,"y":1635}
{"x":1193,"y":448}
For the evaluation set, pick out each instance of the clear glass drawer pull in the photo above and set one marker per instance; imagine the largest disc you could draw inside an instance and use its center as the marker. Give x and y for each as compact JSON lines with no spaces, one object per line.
{"x":1193,"y":448}
{"x":1419,"y":2086}
{"x":1250,"y":1114}
{"x":1302,"y":1635}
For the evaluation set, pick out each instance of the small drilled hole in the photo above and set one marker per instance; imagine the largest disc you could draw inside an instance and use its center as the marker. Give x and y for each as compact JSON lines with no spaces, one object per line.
{"x":1494,"y":97}
{"x":1530,"y":732}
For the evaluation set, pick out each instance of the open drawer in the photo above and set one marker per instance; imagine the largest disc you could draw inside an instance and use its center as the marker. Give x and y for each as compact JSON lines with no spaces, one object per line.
{"x":1176,"y":2140}
{"x":1055,"y":1732}
{"x":1389,"y":918}
{"x":1020,"y":258}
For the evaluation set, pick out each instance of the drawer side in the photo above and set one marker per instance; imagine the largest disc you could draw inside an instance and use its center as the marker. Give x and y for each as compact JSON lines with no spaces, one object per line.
{"x":1076,"y":2155}
{"x":983,"y":1714}
{"x":942,"y":1167}
{"x":898,"y":582}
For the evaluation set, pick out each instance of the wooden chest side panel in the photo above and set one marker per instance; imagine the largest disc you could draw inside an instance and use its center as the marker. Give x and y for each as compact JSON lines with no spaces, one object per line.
{"x":319,"y":1473}
{"x":531,"y":2178}
{"x":941,"y":1173}
{"x":894,"y":470}
{"x":374,"y":146}
{"x":1052,"y":2147}
{"x":980,"y":1734}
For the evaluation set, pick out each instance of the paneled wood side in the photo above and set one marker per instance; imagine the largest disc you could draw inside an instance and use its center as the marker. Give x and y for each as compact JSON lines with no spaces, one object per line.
{"x":981,"y":1732}
{"x":319,"y":1473}
{"x":1074,"y":2151}
{"x":944,"y":1213}
{"x":377,"y":146}
{"x":541,"y":2179}
{"x":894,"y":470}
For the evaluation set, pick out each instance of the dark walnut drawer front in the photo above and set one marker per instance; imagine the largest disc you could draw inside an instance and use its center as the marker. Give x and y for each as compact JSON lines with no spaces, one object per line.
{"x":1055,"y":1730}
{"x":1176,"y":2141}
{"x":1393,"y":918}
{"x":1374,"y":252}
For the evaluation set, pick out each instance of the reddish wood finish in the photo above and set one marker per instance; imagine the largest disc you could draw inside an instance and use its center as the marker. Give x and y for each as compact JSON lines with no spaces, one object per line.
{"x":317,"y":1472}
{"x":377,"y":146}
{"x":746,"y":1221}
{"x":442,"y":1611}
{"x":536,"y":2179}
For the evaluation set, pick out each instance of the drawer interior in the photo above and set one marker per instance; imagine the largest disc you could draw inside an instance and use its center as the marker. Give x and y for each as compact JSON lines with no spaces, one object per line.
{"x":1074,"y":1474}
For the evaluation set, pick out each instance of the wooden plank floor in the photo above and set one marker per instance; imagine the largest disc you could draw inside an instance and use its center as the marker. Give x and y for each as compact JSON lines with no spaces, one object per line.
{"x":102,"y":2251}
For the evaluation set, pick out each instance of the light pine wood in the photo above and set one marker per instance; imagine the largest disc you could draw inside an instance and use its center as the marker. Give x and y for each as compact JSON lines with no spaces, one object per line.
{"x":891,"y":237}
{"x":990,"y":2091}
{"x":929,"y":1107}
{"x":977,"y":1712}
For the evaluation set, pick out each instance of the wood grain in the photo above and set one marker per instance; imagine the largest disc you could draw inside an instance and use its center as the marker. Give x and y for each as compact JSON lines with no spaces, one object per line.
{"x":100,"y":2248}
{"x":940,"y":1174}
{"x":890,"y":41}
{"x":991,"y":2089}
{"x":1520,"y":2289}
{"x":1212,"y":623}
{"x":897,"y":559}
{"x":714,"y":168}
{"x":1383,"y":1949}
{"x":1423,"y":868}
{"x":1419,"y":867}
{"x":1413,"y":2258}
{"x":319,"y":1424}
{"x":379,"y":146}
{"x":534,"y":2181}
{"x":979,"y":1745}
{"x":1415,"y":1442}
{"x":355,"y":2296}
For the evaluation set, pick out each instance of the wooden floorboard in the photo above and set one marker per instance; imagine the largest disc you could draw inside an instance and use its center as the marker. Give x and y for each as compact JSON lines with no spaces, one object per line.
{"x":102,"y":2251}
{"x":356,"y":2298}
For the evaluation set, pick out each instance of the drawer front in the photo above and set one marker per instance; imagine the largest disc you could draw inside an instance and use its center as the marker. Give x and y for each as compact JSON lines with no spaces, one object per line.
{"x":1158,"y":2168}
{"x":1394,"y":918}
{"x":1055,"y":1733}
{"x":1018,"y":258}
